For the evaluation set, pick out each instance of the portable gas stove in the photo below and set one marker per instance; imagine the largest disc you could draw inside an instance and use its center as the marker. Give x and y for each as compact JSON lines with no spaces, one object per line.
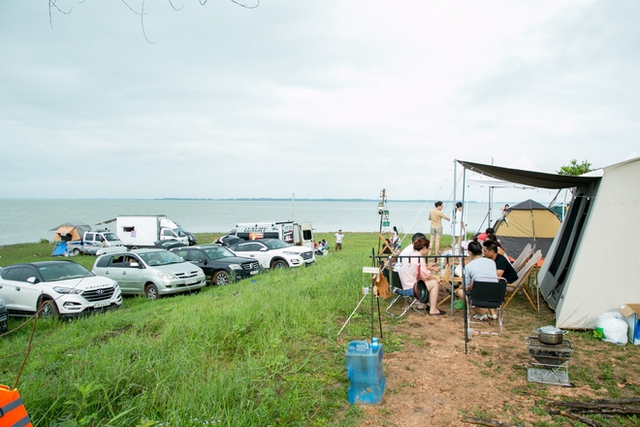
{"x":549,"y":363}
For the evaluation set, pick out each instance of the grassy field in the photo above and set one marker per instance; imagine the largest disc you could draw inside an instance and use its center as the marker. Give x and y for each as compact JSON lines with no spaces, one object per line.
{"x":263,"y":353}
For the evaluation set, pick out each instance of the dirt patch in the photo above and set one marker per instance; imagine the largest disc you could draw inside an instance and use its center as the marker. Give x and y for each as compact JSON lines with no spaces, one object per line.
{"x":432,"y":382}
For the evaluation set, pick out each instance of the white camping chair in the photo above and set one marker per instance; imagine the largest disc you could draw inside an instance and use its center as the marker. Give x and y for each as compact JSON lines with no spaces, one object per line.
{"x":523,"y":257}
{"x":523,"y":277}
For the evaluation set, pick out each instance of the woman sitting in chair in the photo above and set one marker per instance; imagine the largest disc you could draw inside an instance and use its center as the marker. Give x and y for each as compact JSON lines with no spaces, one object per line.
{"x":414,"y":268}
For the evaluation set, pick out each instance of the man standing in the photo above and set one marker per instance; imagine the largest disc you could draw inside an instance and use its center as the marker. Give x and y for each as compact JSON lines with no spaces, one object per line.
{"x":436,"y":216}
{"x":339,"y":236}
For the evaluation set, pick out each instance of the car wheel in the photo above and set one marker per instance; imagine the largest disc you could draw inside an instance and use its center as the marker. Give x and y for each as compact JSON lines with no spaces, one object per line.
{"x":151,"y":291}
{"x":48,"y":309}
{"x":279,"y":263}
{"x":76,"y":252}
{"x":221,"y":278}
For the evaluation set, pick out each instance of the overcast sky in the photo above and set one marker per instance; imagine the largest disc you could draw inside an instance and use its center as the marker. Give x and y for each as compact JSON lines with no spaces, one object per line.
{"x":324,"y":99}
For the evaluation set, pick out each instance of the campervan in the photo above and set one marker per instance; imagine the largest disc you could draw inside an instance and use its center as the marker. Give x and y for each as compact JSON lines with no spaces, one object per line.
{"x":299,"y":234}
{"x":144,"y":230}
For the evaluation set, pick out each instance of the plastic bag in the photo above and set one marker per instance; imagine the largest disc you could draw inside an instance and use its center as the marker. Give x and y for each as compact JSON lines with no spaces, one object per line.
{"x":611,"y":327}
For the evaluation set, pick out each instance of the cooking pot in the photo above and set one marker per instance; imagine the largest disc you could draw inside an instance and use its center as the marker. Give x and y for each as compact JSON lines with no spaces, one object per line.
{"x":550,"y":335}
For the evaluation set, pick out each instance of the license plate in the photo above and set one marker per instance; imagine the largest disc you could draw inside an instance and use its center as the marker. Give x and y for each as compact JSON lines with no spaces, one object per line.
{"x":254,"y":272}
{"x":101,"y":304}
{"x":190,"y":282}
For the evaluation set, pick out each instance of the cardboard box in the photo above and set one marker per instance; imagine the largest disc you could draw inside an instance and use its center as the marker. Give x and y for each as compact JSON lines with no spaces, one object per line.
{"x":631,"y":312}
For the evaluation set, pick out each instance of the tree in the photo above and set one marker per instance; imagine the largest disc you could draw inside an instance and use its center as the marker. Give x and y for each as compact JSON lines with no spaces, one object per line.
{"x":573,"y":168}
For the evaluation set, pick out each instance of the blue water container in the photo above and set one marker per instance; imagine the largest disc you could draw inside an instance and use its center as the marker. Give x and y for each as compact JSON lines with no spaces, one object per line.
{"x":364,"y":370}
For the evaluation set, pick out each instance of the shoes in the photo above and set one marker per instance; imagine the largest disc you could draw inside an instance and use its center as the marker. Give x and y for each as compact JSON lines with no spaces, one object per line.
{"x":480,"y":318}
{"x":493,"y":316}
{"x":439,"y":313}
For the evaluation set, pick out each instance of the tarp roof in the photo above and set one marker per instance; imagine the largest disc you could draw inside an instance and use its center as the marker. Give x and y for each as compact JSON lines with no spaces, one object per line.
{"x":529,"y":178}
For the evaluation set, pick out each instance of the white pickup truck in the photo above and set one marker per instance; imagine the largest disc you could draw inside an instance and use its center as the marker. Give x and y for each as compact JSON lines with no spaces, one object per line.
{"x":94,"y":241}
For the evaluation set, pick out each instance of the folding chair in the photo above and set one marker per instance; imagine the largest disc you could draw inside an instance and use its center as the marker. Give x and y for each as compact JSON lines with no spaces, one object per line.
{"x":487,"y":292}
{"x":523,"y":277}
{"x":420,"y":294}
{"x":523,"y":257}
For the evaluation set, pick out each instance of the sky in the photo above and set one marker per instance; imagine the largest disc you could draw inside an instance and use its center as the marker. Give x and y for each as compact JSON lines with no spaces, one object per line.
{"x":326,"y":99}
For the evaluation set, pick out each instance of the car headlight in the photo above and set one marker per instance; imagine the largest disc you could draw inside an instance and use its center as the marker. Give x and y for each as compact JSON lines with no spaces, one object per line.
{"x":235,"y":266}
{"x":166,"y":276}
{"x":67,"y":291}
{"x":1,"y":304}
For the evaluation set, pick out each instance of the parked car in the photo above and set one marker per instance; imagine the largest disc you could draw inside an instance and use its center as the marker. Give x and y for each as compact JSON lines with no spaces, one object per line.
{"x":229,"y":240}
{"x":62,"y":288}
{"x":274,"y":253}
{"x":3,"y":317}
{"x":219,"y":263}
{"x":150,"y":272}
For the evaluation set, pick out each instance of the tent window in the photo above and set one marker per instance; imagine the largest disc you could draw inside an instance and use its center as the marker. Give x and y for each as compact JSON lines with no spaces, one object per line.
{"x":568,"y":241}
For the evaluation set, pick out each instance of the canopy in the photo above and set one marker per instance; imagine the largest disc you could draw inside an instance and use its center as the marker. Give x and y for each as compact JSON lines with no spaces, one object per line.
{"x":529,"y":178}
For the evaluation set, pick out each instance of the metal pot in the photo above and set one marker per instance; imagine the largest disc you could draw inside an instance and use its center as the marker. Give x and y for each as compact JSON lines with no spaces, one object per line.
{"x":550,"y":335}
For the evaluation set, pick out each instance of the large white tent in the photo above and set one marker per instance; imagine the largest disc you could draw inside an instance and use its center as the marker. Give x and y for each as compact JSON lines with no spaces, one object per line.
{"x":592,"y":266}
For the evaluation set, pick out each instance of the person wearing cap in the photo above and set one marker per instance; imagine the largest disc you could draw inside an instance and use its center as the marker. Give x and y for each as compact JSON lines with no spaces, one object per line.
{"x":412,"y":267}
{"x":436,"y":216}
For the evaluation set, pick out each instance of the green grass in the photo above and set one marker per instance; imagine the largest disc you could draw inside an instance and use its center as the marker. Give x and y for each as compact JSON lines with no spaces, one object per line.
{"x":263,"y":353}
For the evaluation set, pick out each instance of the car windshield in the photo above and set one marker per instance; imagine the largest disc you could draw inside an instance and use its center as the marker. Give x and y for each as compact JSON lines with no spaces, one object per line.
{"x":63,"y":271}
{"x":275,"y":244}
{"x":160,"y":258}
{"x":218,"y":252}
{"x":111,"y":237}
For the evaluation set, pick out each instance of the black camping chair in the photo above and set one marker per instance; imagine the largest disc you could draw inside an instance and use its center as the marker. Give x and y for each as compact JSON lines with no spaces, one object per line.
{"x":420,"y":294}
{"x":487,"y":292}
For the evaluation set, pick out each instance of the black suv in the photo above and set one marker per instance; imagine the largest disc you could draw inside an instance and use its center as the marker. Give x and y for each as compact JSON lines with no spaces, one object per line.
{"x":219,"y":263}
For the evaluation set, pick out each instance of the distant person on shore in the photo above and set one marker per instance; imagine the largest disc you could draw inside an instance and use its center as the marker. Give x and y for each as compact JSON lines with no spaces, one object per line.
{"x":504,"y":210}
{"x":394,"y":238}
{"x":339,"y":237}
{"x":436,"y":216}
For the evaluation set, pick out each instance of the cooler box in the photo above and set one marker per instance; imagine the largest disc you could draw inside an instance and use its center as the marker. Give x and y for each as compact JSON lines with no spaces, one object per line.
{"x":364,"y":370}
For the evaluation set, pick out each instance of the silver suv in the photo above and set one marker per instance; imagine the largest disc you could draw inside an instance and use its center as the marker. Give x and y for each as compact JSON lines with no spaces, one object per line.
{"x":152,"y":272}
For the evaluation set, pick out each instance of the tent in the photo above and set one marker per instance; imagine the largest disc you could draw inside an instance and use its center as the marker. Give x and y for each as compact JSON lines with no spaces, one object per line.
{"x":527,"y":222}
{"x":70,"y":231}
{"x":591,"y":266}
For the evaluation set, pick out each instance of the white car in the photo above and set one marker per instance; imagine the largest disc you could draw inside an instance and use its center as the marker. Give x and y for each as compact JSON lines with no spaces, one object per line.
{"x":150,"y":272}
{"x":62,"y":288}
{"x":274,"y":253}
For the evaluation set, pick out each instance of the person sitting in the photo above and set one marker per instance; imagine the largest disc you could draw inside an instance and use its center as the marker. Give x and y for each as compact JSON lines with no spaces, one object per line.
{"x":477,"y":268}
{"x":483,"y":236}
{"x":503,"y":266}
{"x":414,"y":267}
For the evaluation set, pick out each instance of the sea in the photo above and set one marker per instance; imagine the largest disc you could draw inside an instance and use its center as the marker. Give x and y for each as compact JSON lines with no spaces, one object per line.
{"x":31,"y":220}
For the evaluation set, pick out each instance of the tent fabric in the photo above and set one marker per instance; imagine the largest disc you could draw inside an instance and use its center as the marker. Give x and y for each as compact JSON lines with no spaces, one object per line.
{"x":523,"y":163}
{"x":529,"y":178}
{"x":527,"y":222}
{"x":593,"y":266}
{"x":70,"y":231}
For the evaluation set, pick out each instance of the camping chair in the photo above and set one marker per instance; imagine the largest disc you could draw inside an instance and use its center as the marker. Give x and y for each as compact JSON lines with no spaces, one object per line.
{"x":487,"y":292}
{"x":446,"y":281}
{"x":523,"y":277}
{"x":420,"y":294}
{"x":523,"y":257}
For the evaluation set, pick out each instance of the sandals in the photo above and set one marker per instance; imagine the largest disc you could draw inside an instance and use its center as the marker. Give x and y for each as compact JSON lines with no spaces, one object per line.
{"x":480,"y":318}
{"x":439,"y":313}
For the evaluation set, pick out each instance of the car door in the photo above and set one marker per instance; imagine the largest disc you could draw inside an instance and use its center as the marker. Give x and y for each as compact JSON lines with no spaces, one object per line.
{"x":17,"y":293}
{"x":196,"y":257}
{"x":116,"y":269}
{"x":254,"y":250}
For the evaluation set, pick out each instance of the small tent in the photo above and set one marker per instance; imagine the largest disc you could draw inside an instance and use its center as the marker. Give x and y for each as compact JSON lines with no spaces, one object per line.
{"x":592,"y":265}
{"x":70,"y":231}
{"x":527,"y":222}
